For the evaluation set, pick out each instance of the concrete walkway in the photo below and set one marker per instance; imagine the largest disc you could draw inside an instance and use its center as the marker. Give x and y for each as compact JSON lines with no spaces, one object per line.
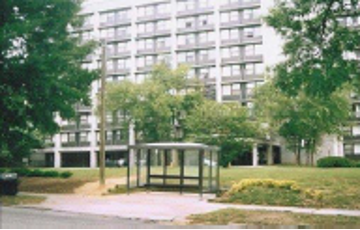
{"x":158,"y":206}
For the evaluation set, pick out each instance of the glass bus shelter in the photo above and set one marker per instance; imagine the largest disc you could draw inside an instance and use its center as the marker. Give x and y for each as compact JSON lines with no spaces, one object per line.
{"x":183,"y":166}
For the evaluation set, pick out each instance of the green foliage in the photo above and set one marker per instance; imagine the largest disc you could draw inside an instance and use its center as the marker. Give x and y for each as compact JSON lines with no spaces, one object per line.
{"x":40,"y":71}
{"x":224,"y":125}
{"x":301,"y":118}
{"x":336,"y":162}
{"x":155,"y":105}
{"x":315,"y":46}
{"x":66,"y":175}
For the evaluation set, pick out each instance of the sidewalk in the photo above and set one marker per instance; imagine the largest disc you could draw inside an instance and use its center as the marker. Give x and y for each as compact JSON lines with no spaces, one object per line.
{"x":158,"y":206}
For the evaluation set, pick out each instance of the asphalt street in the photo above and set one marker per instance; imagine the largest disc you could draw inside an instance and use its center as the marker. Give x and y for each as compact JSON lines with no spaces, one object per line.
{"x":26,"y":218}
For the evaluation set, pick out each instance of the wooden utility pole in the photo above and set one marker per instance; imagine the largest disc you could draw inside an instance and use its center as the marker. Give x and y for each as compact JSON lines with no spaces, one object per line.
{"x":102,"y":114}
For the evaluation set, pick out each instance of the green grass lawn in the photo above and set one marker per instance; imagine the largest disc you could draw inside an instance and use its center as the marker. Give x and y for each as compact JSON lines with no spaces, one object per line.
{"x":263,"y":219}
{"x":67,"y":186}
{"x":341,"y":187}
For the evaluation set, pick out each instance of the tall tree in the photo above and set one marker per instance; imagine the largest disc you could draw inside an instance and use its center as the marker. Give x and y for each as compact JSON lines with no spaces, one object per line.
{"x":225,"y":125}
{"x":301,"y":120}
{"x":157,"y":106}
{"x":40,"y":70}
{"x":318,"y":46}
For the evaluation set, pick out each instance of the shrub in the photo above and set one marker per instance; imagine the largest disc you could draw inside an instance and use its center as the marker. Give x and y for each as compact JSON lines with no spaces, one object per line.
{"x":21,"y":171}
{"x":335,"y":162}
{"x":288,"y":185}
{"x":53,"y":174}
{"x":357,"y":164}
{"x":25,"y":172}
{"x":66,"y":174}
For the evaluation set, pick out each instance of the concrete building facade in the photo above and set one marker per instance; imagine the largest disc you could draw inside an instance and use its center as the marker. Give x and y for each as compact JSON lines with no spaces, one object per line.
{"x":225,"y":42}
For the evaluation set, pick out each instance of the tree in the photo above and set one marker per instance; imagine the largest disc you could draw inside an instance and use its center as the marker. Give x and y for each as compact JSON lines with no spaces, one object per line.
{"x":269,"y":101}
{"x":301,"y":120}
{"x":224,"y":125}
{"x":157,"y":106}
{"x":317,"y":46}
{"x":40,"y":70}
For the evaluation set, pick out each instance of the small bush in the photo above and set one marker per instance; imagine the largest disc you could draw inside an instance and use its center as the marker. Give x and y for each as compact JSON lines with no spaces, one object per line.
{"x":21,"y":171}
{"x":270,"y":192}
{"x":66,"y":174}
{"x":24,"y":172}
{"x":335,"y":162}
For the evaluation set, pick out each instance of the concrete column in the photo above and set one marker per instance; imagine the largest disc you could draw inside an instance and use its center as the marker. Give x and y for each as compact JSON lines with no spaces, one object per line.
{"x":270,"y":156}
{"x":133,"y":45}
{"x":218,"y":51}
{"x":255,"y":155}
{"x":173,"y":34}
{"x":57,"y":159}
{"x":93,"y":159}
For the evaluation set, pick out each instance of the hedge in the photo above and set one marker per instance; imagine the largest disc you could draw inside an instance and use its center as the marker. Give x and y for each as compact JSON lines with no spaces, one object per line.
{"x":25,"y":172}
{"x":336,"y":162}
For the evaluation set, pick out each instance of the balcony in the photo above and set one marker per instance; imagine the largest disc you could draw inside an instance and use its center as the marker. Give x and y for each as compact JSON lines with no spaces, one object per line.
{"x":196,"y":27}
{"x":241,"y":23}
{"x":146,"y":68}
{"x":114,"y":142}
{"x":198,"y":62}
{"x":118,"y":71}
{"x":116,"y":22}
{"x":155,"y":17}
{"x":154,"y":33}
{"x":69,"y":127}
{"x":242,"y":78}
{"x":241,"y":4}
{"x":119,"y":37}
{"x":85,"y":27}
{"x":155,"y":50}
{"x":118,"y":54}
{"x":231,"y":97}
{"x":242,"y":41}
{"x":196,"y":45}
{"x":73,"y":127}
{"x":253,"y":58}
{"x":197,"y":10}
{"x":240,"y":58}
{"x":82,"y":108}
{"x":75,"y":144}
{"x":350,"y":139}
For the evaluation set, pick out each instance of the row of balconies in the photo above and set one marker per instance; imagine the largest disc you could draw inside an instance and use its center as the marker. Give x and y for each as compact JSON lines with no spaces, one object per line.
{"x":196,"y":10}
{"x":76,"y":126}
{"x":88,"y":143}
{"x":243,"y":78}
{"x":197,"y":62}
{"x":195,"y":27}
{"x":241,"y":4}
{"x":183,"y":47}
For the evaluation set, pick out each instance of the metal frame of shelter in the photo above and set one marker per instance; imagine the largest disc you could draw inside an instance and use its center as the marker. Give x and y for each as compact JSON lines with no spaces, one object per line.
{"x":174,"y":166}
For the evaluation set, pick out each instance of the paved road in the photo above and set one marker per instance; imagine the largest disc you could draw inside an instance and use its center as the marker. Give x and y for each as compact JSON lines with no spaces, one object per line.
{"x":27,"y":218}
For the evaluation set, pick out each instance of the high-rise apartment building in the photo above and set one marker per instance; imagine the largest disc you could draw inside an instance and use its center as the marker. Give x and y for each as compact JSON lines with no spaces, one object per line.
{"x":225,"y":42}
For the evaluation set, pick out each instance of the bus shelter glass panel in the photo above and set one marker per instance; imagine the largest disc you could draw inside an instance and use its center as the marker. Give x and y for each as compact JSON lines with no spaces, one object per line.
{"x":191,"y":167}
{"x":207,"y":171}
{"x":141,"y":163}
{"x":157,"y":166}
